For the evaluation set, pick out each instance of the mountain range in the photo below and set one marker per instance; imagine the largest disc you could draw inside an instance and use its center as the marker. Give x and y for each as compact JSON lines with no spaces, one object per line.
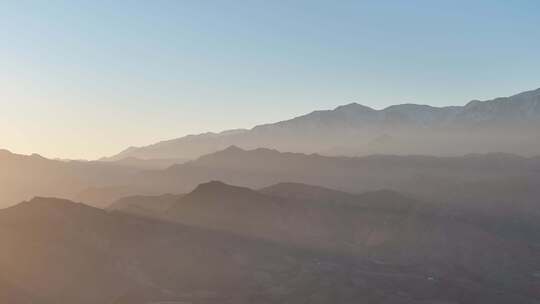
{"x":322,"y":218}
{"x":495,"y":185}
{"x":25,"y":176}
{"x":58,"y":251}
{"x":507,"y":124}
{"x":281,"y":214}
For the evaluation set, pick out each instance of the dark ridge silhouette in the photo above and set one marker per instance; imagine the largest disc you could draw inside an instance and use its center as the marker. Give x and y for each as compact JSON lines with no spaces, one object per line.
{"x":23,"y":177}
{"x":54,"y":242}
{"x":388,"y":200}
{"x":472,"y":180}
{"x":130,"y":259}
{"x":382,"y":223}
{"x":492,"y":189}
{"x":152,"y":206}
{"x":495,"y":185}
{"x":301,"y":191}
{"x":148,"y":164}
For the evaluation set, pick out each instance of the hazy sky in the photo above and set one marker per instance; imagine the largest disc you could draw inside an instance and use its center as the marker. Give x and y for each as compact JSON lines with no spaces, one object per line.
{"x":83,"y":79}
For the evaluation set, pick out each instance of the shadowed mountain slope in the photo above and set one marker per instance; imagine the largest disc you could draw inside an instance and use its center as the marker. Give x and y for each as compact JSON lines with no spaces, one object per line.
{"x":375,"y":200}
{"x":490,"y":188}
{"x":300,"y":191}
{"x":148,"y":164}
{"x":493,"y":186}
{"x":72,"y":253}
{"x":436,"y":179}
{"x":335,"y":225}
{"x":153,"y":206}
{"x":65,"y":252}
{"x":23,"y":177}
{"x":381,"y":226}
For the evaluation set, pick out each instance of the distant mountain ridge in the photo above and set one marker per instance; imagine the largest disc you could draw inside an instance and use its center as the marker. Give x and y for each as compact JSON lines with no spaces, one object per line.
{"x":26,"y":176}
{"x":101,"y":183}
{"x":492,"y":186}
{"x":506,"y":124}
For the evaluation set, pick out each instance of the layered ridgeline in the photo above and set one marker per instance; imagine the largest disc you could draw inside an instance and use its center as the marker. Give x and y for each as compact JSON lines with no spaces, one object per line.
{"x":25,"y":176}
{"x":382,"y":227}
{"x":501,"y":183}
{"x":508,"y":124}
{"x":323,"y":222}
{"x":58,"y":251}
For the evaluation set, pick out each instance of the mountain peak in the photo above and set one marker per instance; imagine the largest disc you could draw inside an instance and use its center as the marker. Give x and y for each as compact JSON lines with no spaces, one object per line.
{"x":50,"y":202}
{"x":211,"y":184}
{"x":473,"y":103}
{"x":416,"y":126}
{"x":216,"y":186}
{"x":531,"y":93}
{"x":353,"y":107}
{"x":4,"y":152}
{"x":50,"y":207}
{"x":236,"y":151}
{"x":43,"y":205}
{"x":233,"y":149}
{"x":37,"y":156}
{"x":217,"y":192}
{"x":409,"y":106}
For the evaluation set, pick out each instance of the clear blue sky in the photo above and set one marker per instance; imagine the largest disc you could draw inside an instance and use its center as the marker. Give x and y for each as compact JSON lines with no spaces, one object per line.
{"x":83,"y":79}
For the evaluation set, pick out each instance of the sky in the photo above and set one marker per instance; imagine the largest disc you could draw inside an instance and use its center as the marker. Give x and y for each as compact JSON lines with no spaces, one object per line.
{"x":86,"y":79}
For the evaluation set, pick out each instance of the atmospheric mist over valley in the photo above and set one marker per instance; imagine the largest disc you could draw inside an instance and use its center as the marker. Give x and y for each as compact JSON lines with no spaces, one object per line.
{"x":252,"y":152}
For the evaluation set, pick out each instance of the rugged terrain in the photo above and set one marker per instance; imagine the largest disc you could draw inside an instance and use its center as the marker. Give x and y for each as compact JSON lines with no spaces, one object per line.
{"x":64,"y":252}
{"x":506,"y":124}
